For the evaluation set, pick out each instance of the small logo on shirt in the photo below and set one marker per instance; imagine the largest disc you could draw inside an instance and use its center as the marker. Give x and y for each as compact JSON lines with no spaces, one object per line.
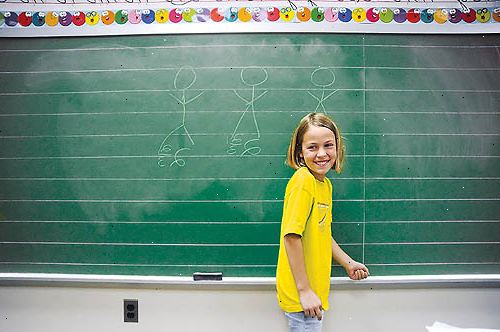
{"x":323,"y":211}
{"x":323,"y":205}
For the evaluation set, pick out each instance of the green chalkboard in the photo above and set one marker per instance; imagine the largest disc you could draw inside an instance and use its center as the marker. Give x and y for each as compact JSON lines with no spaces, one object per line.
{"x":164,"y":155}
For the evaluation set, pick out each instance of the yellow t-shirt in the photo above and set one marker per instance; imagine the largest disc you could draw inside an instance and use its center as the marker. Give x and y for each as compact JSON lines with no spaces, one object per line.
{"x":307,"y":212}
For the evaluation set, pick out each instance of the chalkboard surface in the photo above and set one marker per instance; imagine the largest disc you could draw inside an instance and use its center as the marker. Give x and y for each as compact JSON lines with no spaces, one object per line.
{"x":164,"y":155}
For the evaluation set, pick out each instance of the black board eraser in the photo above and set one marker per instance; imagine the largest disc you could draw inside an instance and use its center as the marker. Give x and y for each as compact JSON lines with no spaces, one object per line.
{"x":211,"y":276}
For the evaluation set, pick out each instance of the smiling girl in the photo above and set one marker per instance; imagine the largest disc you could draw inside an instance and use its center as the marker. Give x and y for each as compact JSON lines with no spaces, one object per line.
{"x":306,"y":243}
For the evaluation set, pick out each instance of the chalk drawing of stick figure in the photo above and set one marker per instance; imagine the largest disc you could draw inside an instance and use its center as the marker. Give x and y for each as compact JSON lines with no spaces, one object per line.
{"x":247,"y":143}
{"x":184,"y":79}
{"x":322,"y":78}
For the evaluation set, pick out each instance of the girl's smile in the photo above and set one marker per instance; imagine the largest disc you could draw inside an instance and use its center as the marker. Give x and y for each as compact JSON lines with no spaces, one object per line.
{"x":322,"y":163}
{"x":319,"y":150}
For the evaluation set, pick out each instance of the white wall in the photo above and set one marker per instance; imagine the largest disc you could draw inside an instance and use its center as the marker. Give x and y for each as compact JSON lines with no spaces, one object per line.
{"x":28,"y":308}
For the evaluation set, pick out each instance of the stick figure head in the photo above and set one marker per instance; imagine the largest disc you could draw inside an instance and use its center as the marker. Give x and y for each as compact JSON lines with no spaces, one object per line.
{"x":253,"y":76}
{"x":184,"y":78}
{"x":322,"y":77}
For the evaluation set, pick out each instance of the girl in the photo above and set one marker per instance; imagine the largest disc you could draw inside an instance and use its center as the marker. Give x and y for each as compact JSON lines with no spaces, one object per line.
{"x":306,"y":244}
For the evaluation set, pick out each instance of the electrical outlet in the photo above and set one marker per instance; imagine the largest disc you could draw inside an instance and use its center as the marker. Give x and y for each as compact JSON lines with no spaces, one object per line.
{"x":131,"y":311}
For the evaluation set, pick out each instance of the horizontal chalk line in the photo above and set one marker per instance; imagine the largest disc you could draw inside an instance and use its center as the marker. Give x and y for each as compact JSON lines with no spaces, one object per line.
{"x":431,"y":264}
{"x":236,"y":265}
{"x":17,"y":93}
{"x":142,"y":244}
{"x":431,"y":243}
{"x":118,"y":244}
{"x":170,"y":112}
{"x":228,"y":134}
{"x":240,"y":201}
{"x":244,"y":222}
{"x":456,"y":113}
{"x":155,"y":69}
{"x":243,"y":156}
{"x":144,"y":179}
{"x":137,"y":265}
{"x":428,"y":221}
{"x":128,"y":48}
{"x":146,"y":222}
{"x":336,"y":179}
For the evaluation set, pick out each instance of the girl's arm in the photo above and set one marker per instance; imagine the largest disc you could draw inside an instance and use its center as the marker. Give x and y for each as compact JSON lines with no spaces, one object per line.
{"x":310,"y":302}
{"x":355,"y":270}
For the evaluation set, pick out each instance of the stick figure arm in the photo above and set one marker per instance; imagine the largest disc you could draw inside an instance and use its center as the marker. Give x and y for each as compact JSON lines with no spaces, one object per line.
{"x":190,"y":100}
{"x":180,"y":101}
{"x":259,"y":96}
{"x":236,"y":92}
{"x":312,"y":95}
{"x":330,"y":94}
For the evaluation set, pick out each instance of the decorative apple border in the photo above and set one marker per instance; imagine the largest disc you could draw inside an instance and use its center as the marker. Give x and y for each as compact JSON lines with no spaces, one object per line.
{"x":339,"y":15}
{"x":108,"y":20}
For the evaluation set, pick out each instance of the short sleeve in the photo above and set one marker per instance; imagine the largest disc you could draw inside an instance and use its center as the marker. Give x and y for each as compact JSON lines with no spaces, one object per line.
{"x":297,"y":209}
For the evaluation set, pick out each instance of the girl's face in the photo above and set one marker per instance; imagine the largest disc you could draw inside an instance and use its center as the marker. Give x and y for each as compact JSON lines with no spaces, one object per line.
{"x":319,"y":150}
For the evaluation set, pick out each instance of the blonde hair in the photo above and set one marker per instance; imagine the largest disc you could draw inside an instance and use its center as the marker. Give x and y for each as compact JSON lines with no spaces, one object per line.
{"x":294,"y":160}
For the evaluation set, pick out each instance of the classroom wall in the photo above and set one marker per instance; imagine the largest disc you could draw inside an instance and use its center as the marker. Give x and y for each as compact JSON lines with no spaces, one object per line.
{"x":220,"y":309}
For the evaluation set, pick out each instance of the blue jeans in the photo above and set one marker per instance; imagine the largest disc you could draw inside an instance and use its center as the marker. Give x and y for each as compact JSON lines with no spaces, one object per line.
{"x":298,"y":322}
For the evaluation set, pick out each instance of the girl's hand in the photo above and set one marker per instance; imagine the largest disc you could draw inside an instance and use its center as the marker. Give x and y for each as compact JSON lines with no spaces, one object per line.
{"x":311,"y":304}
{"x":357,"y":271}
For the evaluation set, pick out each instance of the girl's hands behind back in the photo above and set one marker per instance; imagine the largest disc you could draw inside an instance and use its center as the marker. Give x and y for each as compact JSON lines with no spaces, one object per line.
{"x":357,"y":271}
